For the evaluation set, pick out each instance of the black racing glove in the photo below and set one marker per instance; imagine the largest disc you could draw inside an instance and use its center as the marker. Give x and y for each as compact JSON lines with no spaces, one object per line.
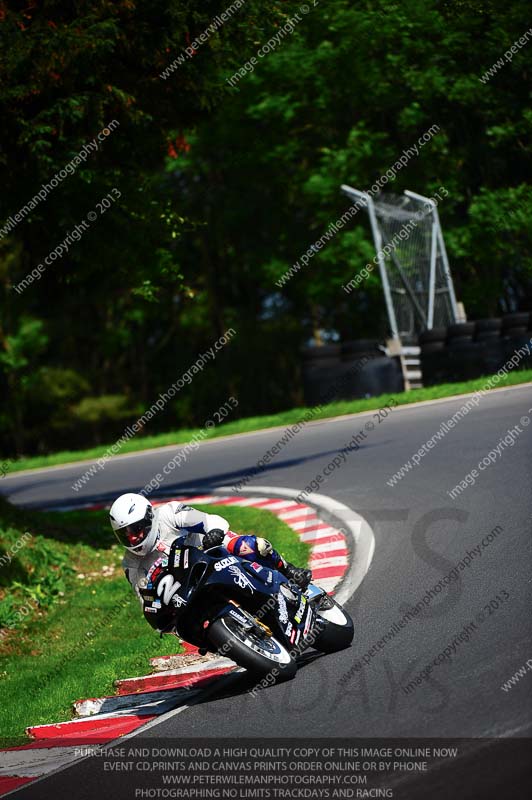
{"x":213,"y":538}
{"x":301,"y":577}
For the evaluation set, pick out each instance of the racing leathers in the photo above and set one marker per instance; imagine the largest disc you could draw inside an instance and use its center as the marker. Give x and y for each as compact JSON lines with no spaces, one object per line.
{"x":175,"y":520}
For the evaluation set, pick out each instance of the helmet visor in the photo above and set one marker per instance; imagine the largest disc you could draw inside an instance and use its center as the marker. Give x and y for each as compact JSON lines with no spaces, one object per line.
{"x":135,"y":534}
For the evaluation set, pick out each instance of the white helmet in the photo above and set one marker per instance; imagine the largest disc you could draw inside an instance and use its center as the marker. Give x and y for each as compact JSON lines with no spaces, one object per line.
{"x":131,"y":520}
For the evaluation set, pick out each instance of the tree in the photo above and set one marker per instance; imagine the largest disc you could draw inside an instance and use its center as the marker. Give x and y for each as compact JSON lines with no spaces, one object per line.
{"x":223,"y":190}
{"x":87,"y":73}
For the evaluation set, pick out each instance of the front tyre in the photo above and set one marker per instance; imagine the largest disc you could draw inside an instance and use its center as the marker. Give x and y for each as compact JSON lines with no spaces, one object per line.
{"x":259,"y":655}
{"x":338,"y":630}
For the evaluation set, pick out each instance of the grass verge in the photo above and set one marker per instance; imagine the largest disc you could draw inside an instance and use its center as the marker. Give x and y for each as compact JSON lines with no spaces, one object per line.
{"x":339,"y":408}
{"x":82,"y":627}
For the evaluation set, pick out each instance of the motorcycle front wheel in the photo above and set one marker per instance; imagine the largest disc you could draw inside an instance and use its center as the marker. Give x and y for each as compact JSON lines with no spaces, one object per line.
{"x":260,"y":655}
{"x":338,"y":629}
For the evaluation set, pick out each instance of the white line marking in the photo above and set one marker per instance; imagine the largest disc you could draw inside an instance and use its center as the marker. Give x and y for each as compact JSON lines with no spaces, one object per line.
{"x":352,"y":524}
{"x":322,"y":562}
{"x":326,"y":547}
{"x":276,"y":505}
{"x":299,"y":512}
{"x":364,"y":547}
{"x":306,"y":523}
{"x":248,"y":501}
{"x":328,"y":584}
{"x":34,"y":762}
{"x":261,"y":432}
{"x":317,"y":536}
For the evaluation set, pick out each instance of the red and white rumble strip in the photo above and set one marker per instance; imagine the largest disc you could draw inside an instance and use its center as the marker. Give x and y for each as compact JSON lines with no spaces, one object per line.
{"x":139,"y":700}
{"x":329,"y":556}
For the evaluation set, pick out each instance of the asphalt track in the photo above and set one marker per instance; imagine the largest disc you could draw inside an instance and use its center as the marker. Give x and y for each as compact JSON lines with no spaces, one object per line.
{"x":421,"y":534}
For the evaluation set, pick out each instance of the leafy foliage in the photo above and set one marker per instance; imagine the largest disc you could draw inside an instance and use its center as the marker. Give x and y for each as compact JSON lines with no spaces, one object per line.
{"x":223,"y":189}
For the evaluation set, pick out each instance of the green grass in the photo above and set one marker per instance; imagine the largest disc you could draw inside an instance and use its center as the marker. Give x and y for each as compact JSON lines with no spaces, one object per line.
{"x":248,"y":424}
{"x":47,"y":660}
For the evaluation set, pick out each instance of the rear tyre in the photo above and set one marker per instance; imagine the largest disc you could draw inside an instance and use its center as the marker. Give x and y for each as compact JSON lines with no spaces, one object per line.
{"x":520,"y":319}
{"x":432,"y":347}
{"x":338,"y":631}
{"x":458,"y":342}
{"x":260,"y":656}
{"x":460,"y":329}
{"x":327,"y":352}
{"x":432,"y":335}
{"x":492,"y":324}
{"x":514,"y":333}
{"x":355,"y":348}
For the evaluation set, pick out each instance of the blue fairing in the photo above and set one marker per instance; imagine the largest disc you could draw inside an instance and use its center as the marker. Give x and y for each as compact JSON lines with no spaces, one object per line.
{"x":195,"y":575}
{"x":247,"y":576}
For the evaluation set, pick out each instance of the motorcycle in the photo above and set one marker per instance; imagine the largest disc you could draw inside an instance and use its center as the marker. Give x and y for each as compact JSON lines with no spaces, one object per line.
{"x":246,"y":611}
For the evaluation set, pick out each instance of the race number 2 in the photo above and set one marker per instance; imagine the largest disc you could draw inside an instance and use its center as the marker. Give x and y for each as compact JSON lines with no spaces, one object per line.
{"x":169,"y":586}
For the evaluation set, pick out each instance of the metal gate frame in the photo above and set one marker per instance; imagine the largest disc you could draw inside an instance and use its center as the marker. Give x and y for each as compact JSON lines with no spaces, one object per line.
{"x":437,"y":248}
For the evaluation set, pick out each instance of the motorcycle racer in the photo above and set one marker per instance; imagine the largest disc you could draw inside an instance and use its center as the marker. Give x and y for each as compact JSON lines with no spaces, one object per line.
{"x":147,"y":533}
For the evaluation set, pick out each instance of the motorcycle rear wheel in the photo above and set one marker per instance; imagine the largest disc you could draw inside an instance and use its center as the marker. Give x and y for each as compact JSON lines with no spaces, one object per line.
{"x":260,"y":656}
